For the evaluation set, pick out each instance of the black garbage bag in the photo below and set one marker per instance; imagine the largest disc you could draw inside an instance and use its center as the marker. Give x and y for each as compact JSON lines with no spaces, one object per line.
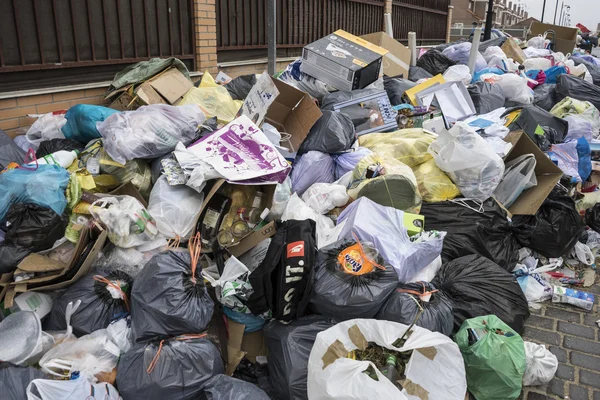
{"x":54,"y":145}
{"x":14,"y":380}
{"x":403,"y":306}
{"x":395,"y":88}
{"x":348,"y":284}
{"x":9,"y":151}
{"x":340,"y":96}
{"x":544,"y":96}
{"x":499,"y":41}
{"x":592,"y":69}
{"x":34,"y":227}
{"x":571,"y":86}
{"x":592,"y":217}
{"x":289,"y":348}
{"x":10,"y":256}
{"x":554,"y":229}
{"x":173,"y":369}
{"x":477,"y":286}
{"x":239,"y":87}
{"x":283,"y":281}
{"x":486,"y":97}
{"x":532,"y":117}
{"x":168,"y":300}
{"x":99,"y":305}
{"x":418,"y":73}
{"x":333,"y":133}
{"x":435,"y":62}
{"x":469,"y":232}
{"x":223,"y":387}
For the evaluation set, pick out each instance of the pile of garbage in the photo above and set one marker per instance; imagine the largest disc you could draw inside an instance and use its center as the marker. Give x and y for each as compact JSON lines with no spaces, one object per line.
{"x":306,"y":235}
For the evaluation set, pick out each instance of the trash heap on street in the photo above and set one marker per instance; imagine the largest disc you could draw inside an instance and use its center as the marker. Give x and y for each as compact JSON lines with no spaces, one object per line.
{"x":353,"y":227}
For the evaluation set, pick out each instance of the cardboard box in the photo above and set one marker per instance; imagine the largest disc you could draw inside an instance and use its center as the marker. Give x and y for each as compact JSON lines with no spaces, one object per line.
{"x":412,"y":92}
{"x":565,"y":38}
{"x":343,"y":60}
{"x":242,"y":345}
{"x":397,"y":61}
{"x":254,"y":239}
{"x":512,"y":50}
{"x":453,"y":99}
{"x":546,"y":173}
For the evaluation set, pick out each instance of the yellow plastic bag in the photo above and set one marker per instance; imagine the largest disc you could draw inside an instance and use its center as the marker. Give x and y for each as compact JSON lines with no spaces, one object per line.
{"x":408,"y":146}
{"x":434,"y":184}
{"x":213,"y":100}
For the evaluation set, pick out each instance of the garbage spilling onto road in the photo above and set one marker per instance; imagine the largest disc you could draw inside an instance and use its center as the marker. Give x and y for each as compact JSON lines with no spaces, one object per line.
{"x":379,"y":232}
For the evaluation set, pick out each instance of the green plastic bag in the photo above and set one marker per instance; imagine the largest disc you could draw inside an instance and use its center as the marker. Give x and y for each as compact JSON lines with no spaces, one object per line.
{"x":495,"y":364}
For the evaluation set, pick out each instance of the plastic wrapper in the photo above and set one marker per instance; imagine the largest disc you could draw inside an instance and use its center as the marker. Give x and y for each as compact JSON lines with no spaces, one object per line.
{"x":324,"y":197}
{"x":571,"y":86}
{"x":223,"y":387}
{"x":417,"y":73}
{"x":46,"y":127}
{"x":351,"y":281}
{"x":460,"y":53}
{"x":333,"y":133}
{"x":82,"y":119}
{"x":408,"y":146}
{"x":384,"y":228}
{"x":477,"y":286}
{"x":14,"y":380}
{"x":150,"y":131}
{"x":214,"y":100}
{"x":543,"y":96}
{"x":565,"y":156}
{"x":142,"y":71}
{"x":434,"y":62}
{"x":486,"y":97}
{"x":495,"y":364}
{"x":459,"y":73}
{"x":103,"y":297}
{"x":165,"y":300}
{"x":386,"y":181}
{"x":130,"y":261}
{"x":147,"y":370}
{"x":345,"y":378}
{"x":434,"y":184}
{"x":240,"y":86}
{"x":469,"y":161}
{"x":46,"y":389}
{"x":174,"y":208}
{"x":289,"y":348}
{"x":541,"y":365}
{"x":9,"y":151}
{"x":395,"y":88}
{"x":312,"y":167}
{"x":519,"y":175}
{"x":306,"y":83}
{"x":345,"y":162}
{"x":534,"y":286}
{"x":554,"y":229}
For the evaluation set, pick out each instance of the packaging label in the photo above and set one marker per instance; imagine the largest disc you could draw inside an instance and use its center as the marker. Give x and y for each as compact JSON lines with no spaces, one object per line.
{"x":295,"y":249}
{"x":354,"y":262}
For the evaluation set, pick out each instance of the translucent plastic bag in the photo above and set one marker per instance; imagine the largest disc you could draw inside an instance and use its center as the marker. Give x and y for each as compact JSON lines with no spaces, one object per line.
{"x":312,"y":167}
{"x":346,"y":162}
{"x":493,"y":51}
{"x":461,"y":52}
{"x":514,"y":87}
{"x":46,"y":127}
{"x":519,"y":175}
{"x":537,"y":42}
{"x":344,"y":378}
{"x":408,"y":146}
{"x":434,"y":184}
{"x":469,"y":161}
{"x":565,"y":154}
{"x":541,"y":365}
{"x":324,"y":197}
{"x":297,"y":209}
{"x":214,"y":100}
{"x":537,"y":63}
{"x":174,"y":208}
{"x":80,"y":388}
{"x":460,"y":73}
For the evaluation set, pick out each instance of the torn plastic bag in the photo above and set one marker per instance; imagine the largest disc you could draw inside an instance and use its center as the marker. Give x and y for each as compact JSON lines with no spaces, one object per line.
{"x":223,"y":387}
{"x":46,"y":127}
{"x":324,"y":197}
{"x":477,"y":286}
{"x":395,"y":88}
{"x":214,"y":100}
{"x":345,"y":162}
{"x":461,"y":53}
{"x":147,"y":371}
{"x":352,"y":280}
{"x":473,"y":229}
{"x":541,"y":365}
{"x":332,"y":133}
{"x":150,"y":131}
{"x":417,"y":73}
{"x":408,"y":146}
{"x":169,"y":298}
{"x":435,"y":62}
{"x":544,"y":96}
{"x":554,"y":229}
{"x":240,"y":86}
{"x":565,"y":156}
{"x":174,"y":208}
{"x":406,"y":302}
{"x":289,"y":348}
{"x":384,"y":228}
{"x":571,"y":86}
{"x":495,"y":364}
{"x":469,"y":161}
{"x":82,"y":120}
{"x":44,"y":186}
{"x":310,"y":168}
{"x":331,"y":375}
{"x":54,"y":145}
{"x":434,"y":184}
{"x":486,"y":97}
{"x":9,"y":151}
{"x":519,"y":175}
{"x":458,"y":73}
{"x":386,"y":181}
{"x":34,"y":227}
{"x":14,"y":380}
{"x":283,"y":281}
{"x":103,"y":297}
{"x":80,"y":388}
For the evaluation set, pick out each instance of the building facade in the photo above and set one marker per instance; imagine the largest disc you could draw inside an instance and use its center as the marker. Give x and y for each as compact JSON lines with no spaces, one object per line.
{"x":506,"y":12}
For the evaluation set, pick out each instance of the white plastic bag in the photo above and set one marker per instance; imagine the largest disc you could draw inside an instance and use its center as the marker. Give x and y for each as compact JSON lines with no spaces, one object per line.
{"x":533,"y":52}
{"x":519,"y":175}
{"x":537,"y":42}
{"x":537,"y":63}
{"x":441,"y":373}
{"x":460,"y":53}
{"x":458,"y":73}
{"x":150,"y":131}
{"x":469,"y":161}
{"x":514,"y":87}
{"x":533,"y":285}
{"x":324,"y":197}
{"x":429,"y":272}
{"x":493,"y":51}
{"x":80,"y":388}
{"x":583,"y":254}
{"x":174,"y":208}
{"x":46,"y":127}
{"x":541,"y":365}
{"x":120,"y":333}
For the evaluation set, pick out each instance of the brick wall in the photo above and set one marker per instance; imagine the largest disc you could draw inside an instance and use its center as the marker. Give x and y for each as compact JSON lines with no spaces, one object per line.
{"x":205,"y":20}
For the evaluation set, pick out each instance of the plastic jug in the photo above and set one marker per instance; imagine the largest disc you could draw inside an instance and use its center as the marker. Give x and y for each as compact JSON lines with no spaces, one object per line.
{"x":63,"y":158}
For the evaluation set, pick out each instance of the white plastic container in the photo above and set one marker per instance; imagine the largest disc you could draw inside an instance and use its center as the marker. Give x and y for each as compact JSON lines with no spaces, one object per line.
{"x":63,"y":158}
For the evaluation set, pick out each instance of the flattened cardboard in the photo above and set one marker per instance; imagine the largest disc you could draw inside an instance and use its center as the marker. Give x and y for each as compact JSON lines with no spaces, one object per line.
{"x":564,"y":39}
{"x":397,"y":61}
{"x":240,"y":345}
{"x":253,"y":239}
{"x":547,"y":174}
{"x":172,"y":85}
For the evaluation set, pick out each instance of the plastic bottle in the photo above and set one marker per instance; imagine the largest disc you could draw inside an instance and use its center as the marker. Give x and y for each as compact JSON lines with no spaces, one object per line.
{"x":63,"y":158}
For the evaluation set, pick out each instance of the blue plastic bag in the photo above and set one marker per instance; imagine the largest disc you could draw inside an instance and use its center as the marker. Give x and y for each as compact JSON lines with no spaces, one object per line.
{"x":477,"y":75}
{"x":44,"y":186}
{"x":584,"y":152}
{"x":251,"y":322}
{"x":82,"y":119}
{"x":552,"y":73}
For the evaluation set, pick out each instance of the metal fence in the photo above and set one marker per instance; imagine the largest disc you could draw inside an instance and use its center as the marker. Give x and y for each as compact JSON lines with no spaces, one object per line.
{"x":428,"y":18}
{"x":465,"y":32}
